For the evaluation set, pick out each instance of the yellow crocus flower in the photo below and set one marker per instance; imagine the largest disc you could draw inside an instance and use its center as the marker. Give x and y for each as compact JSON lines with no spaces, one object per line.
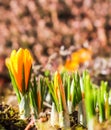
{"x":19,"y":64}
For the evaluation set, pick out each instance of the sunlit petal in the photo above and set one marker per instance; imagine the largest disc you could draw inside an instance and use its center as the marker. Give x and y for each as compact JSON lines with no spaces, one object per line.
{"x":27,"y":66}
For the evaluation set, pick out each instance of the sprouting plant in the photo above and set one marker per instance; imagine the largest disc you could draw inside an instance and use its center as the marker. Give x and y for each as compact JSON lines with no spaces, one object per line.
{"x":38,"y":92}
{"x":72,"y":86}
{"x":19,"y":65}
{"x":59,"y":106}
{"x":66,"y":93}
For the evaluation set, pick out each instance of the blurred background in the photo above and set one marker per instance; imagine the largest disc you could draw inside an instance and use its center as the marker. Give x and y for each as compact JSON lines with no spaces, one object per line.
{"x":57,"y":31}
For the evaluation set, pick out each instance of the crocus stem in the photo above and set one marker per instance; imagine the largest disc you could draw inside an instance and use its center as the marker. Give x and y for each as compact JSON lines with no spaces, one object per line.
{"x":61,"y":119}
{"x":54,"y":119}
{"x":81,"y":113}
{"x":24,"y":107}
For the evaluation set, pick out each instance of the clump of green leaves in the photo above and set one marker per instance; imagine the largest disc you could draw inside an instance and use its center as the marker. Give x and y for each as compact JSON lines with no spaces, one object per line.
{"x":38,"y":92}
{"x":97,"y":101}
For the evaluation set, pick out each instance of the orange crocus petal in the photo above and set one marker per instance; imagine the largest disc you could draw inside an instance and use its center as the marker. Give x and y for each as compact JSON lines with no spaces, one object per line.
{"x":70,"y":65}
{"x":81,"y":55}
{"x":27,"y":66}
{"x":85,"y":55}
{"x":11,"y":63}
{"x":14,"y":67}
{"x":19,"y":65}
{"x":16,"y":64}
{"x":62,"y":91}
{"x":75,"y":57}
